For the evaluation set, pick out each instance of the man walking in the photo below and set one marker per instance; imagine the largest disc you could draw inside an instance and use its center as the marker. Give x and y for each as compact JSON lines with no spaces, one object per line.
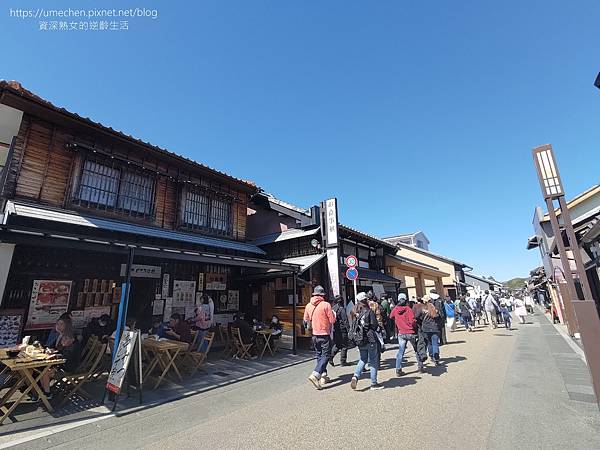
{"x":450,"y":310}
{"x":318,"y":317}
{"x":340,"y":331}
{"x":490,"y":305}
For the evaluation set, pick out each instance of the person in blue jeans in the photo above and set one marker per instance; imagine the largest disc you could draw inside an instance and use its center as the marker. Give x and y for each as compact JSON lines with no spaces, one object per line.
{"x":429,"y":322}
{"x":368,"y":342}
{"x":404,"y":321}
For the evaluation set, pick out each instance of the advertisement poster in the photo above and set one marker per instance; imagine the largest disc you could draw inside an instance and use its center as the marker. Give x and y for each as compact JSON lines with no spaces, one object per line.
{"x":49,"y":299}
{"x":11,"y":323}
{"x":121,"y":361}
{"x":216,"y":282}
{"x":200,"y":281}
{"x":78,"y":319}
{"x":233,"y":300}
{"x":94,"y":312}
{"x":184,"y":293}
{"x":165,"y":285}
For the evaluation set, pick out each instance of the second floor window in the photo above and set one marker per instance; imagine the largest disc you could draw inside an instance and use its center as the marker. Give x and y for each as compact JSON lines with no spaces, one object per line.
{"x":202,"y":211}
{"x":107,"y":186}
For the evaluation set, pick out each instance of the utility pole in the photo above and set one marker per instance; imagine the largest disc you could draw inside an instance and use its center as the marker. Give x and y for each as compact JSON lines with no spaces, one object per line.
{"x":584,"y":313}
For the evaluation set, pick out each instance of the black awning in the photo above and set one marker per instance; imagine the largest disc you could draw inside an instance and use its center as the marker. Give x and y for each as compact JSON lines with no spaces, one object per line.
{"x":374,"y":275}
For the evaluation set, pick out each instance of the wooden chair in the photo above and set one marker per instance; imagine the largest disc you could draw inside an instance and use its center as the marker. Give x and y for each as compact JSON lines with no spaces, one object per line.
{"x":242,"y":350}
{"x":198,"y":357}
{"x":74,"y":382}
{"x":229,"y":349}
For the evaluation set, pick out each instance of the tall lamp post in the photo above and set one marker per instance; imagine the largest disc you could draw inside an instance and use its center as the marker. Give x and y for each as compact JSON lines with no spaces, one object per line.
{"x":584,"y":314}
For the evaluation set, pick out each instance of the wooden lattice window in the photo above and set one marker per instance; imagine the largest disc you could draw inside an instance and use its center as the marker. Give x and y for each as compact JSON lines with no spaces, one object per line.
{"x":206,"y":211}
{"x":111,"y":186}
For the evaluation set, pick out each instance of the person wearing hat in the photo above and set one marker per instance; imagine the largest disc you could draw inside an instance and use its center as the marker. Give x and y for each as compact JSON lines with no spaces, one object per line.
{"x":364,"y":316}
{"x":319,"y":317}
{"x":404,"y":321}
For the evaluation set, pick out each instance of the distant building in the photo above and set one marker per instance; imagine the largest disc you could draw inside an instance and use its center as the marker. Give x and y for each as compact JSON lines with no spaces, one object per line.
{"x":480,"y":284}
{"x":416,"y":239}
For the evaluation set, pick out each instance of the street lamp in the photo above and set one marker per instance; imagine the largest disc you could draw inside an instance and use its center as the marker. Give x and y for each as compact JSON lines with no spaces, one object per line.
{"x":582,"y":315}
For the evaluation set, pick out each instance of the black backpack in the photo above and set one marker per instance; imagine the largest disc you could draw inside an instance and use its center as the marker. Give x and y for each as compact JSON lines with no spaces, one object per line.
{"x":357,"y":331}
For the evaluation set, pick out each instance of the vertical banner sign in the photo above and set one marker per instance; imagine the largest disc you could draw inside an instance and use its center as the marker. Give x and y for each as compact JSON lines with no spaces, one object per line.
{"x":330,"y":231}
{"x":333,"y":268}
{"x":121,"y":361}
{"x":331,"y":222}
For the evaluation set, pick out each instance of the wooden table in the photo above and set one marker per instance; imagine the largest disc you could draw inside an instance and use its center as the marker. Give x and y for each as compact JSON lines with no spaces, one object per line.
{"x":266,"y":334}
{"x":28,"y":371}
{"x":163,"y":353}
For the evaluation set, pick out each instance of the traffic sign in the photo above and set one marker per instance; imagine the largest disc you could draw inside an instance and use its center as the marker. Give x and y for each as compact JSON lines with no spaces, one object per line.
{"x":352,"y":273}
{"x":351,"y":261}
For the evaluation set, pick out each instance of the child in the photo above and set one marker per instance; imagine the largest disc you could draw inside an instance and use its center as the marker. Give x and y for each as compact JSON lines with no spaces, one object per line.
{"x":505,"y":315}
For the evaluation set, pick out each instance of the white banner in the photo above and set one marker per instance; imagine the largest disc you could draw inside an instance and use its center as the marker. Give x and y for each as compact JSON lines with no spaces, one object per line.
{"x":121,"y":361}
{"x":331,"y":222}
{"x":333,"y":268}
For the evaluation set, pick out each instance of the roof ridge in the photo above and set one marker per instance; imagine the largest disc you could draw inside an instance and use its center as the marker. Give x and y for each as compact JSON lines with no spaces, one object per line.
{"x":17,"y":88}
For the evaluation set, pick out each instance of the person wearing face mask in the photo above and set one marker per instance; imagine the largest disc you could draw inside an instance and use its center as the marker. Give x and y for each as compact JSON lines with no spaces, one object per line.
{"x":276,"y":326}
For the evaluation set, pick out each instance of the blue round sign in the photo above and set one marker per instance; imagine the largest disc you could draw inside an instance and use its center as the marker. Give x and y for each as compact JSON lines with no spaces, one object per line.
{"x":352,"y":273}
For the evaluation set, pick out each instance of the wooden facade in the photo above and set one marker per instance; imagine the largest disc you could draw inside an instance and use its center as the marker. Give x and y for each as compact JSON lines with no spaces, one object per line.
{"x":46,"y":167}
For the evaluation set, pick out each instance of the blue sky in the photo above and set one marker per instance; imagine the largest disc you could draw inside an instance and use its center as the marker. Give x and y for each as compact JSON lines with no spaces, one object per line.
{"x":414,"y":116}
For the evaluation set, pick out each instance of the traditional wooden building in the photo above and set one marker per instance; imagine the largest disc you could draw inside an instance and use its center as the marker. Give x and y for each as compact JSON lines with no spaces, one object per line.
{"x":77,"y":195}
{"x":295,"y":237}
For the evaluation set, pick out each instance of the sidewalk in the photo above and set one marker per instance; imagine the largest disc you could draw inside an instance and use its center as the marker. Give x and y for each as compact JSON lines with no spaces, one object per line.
{"x":547,"y":398}
{"x":33,"y":421}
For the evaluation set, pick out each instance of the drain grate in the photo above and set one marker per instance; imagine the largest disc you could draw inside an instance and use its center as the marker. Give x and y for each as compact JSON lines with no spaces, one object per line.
{"x":221,"y":374}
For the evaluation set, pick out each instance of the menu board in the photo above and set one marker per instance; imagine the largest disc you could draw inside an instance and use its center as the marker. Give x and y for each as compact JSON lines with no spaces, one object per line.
{"x":49,"y":299}
{"x":11,"y":324}
{"x":184,"y":293}
{"x":121,"y":361}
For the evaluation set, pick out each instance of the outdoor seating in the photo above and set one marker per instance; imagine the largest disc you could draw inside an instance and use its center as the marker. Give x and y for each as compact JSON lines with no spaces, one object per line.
{"x":242,"y":351}
{"x":86,"y":372}
{"x":199,"y":351}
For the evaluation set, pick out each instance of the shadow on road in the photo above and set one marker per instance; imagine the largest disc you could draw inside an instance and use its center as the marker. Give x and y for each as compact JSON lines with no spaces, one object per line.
{"x":455,"y":342}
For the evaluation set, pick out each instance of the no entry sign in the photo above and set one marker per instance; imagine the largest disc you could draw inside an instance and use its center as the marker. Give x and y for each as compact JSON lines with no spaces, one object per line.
{"x":352,"y":273}
{"x":351,"y":261}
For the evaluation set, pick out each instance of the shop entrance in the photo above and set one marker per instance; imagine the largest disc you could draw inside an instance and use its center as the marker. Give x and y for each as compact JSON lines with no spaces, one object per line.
{"x":140,"y":301}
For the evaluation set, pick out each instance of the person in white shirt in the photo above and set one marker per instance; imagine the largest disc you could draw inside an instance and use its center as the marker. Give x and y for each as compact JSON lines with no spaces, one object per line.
{"x":490,"y":305}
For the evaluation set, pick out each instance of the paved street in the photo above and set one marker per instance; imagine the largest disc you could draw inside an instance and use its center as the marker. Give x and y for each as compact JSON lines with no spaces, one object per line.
{"x":498,"y":389}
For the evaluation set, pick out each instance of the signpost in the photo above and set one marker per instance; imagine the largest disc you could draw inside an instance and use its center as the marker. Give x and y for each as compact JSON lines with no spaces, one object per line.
{"x":352,"y":272}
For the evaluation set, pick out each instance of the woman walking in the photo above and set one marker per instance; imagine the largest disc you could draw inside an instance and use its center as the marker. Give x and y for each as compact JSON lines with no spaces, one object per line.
{"x":364,"y":335}
{"x":428,"y":319}
{"x":466,"y":313}
{"x":520,"y":310}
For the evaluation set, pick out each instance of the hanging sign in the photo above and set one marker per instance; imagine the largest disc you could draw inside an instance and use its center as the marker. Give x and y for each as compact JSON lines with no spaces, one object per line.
{"x":166,"y":279}
{"x":121,"y":361}
{"x":141,"y":271}
{"x":331,"y":222}
{"x":351,"y":261}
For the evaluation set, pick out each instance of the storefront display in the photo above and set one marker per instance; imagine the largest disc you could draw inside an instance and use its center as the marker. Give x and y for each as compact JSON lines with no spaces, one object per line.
{"x":184,"y":293}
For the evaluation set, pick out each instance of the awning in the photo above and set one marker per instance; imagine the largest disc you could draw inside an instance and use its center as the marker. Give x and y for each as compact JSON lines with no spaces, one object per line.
{"x":18,"y":213}
{"x":305,"y":262}
{"x":293,"y":233}
{"x":413,"y":265}
{"x":374,"y":275}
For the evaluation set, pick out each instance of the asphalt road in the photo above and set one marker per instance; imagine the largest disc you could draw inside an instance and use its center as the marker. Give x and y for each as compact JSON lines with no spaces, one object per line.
{"x":452,"y":406}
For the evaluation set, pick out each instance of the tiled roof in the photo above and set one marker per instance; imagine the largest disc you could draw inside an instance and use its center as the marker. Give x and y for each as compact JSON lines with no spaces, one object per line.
{"x":16,"y":88}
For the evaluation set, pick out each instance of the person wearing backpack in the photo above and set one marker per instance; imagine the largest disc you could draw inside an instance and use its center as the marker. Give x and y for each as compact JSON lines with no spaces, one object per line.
{"x":364,"y":334}
{"x":341,"y":327}
{"x":319,"y":318}
{"x":405,"y":324}
{"x":428,"y":318}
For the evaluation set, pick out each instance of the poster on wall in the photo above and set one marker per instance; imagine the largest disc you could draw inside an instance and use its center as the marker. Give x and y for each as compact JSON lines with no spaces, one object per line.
{"x":255,"y":299}
{"x":11,"y":324}
{"x":78,"y":318}
{"x":200,"y":281}
{"x":184,"y":293}
{"x":168,"y":309}
{"x":216,"y":282}
{"x":378,"y":289}
{"x":165,"y":285}
{"x":158,"y":307}
{"x":49,"y":299}
{"x":223,"y":298}
{"x":233,"y":300}
{"x":95,"y":312}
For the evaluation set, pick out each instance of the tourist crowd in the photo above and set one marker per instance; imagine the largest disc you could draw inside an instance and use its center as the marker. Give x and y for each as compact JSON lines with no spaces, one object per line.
{"x":370,"y":323}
